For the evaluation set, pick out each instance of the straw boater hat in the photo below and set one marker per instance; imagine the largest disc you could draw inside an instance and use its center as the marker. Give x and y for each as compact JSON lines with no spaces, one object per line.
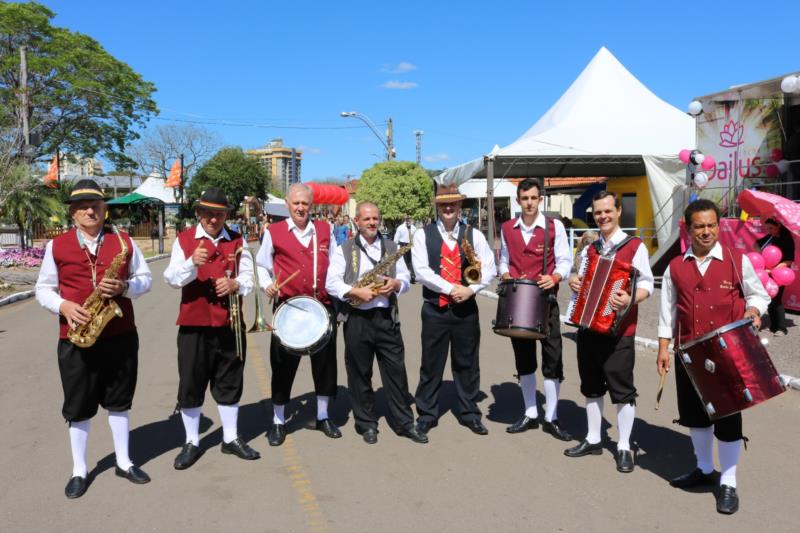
{"x":446,"y":194}
{"x":213,"y":199}
{"x":86,"y":190}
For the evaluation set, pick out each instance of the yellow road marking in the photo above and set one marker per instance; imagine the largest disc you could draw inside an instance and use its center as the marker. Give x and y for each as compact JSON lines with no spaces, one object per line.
{"x":315,"y":518}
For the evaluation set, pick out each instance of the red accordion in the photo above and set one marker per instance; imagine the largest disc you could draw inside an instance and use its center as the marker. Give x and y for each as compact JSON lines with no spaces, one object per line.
{"x":603,"y":274}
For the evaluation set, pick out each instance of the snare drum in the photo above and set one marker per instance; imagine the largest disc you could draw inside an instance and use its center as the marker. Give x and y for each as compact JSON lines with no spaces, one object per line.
{"x":302,"y":325}
{"x":730,"y":369}
{"x":523,"y":310}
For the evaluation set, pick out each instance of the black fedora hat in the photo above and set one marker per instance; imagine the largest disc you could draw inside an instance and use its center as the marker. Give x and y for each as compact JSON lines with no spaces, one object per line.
{"x":214,"y":199}
{"x":86,"y":190}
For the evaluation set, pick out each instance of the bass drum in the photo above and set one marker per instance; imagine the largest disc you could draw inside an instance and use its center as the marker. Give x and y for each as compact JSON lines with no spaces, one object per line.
{"x":522,"y":310}
{"x":302,"y":325}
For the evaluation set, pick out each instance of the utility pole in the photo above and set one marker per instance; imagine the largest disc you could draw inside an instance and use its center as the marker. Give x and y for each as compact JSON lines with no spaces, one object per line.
{"x":23,"y":95}
{"x":389,"y":141}
{"x":419,"y":134}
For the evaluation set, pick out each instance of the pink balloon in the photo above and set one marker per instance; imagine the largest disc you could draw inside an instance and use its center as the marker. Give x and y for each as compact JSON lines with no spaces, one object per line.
{"x":772,"y":255}
{"x":708,"y":163}
{"x":763,"y":276}
{"x":684,"y":155}
{"x":756,"y":260}
{"x":783,"y":276}
{"x":776,"y":154}
{"x":772,"y":288}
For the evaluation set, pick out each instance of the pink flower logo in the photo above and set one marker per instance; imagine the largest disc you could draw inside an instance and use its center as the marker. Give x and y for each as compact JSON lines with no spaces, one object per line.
{"x":731,"y":135}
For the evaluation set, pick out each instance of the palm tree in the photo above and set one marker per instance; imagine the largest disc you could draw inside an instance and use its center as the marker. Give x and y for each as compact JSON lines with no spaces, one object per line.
{"x":25,"y":201}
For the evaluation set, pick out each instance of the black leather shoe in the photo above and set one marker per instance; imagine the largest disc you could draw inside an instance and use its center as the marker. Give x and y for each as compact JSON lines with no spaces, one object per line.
{"x":555,"y":429}
{"x":523,"y":424}
{"x":728,"y":500}
{"x":76,"y":487}
{"x":240,"y":449}
{"x":134,"y":474}
{"x":415,"y":434}
{"x":188,"y":456}
{"x":276,"y":434}
{"x":624,"y":461}
{"x":424,"y":426}
{"x":476,"y":427}
{"x":695,"y":478}
{"x":370,"y":436}
{"x":584,"y":448}
{"x":329,"y":428}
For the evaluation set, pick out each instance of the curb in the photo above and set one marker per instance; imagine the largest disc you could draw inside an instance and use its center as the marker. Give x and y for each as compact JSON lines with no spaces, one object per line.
{"x":790,"y":381}
{"x":24,"y":295}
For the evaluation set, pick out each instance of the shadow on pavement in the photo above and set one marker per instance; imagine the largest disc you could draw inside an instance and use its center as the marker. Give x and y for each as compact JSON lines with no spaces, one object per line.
{"x":301,"y":412}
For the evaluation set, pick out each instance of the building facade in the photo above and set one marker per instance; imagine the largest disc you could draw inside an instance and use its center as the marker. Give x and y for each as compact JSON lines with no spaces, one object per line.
{"x":282,"y":163}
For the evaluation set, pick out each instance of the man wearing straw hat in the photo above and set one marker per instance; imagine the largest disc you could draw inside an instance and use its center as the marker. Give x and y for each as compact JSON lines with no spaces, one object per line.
{"x":203,"y":257}
{"x":103,"y":374}
{"x":449,"y":311}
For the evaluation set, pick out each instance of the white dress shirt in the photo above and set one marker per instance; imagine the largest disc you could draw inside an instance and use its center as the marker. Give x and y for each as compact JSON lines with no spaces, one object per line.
{"x":404,"y":233}
{"x":139,"y":277}
{"x":426,"y":275}
{"x":265,"y":253}
{"x":560,"y":248}
{"x":755,"y":295}
{"x":336,"y":286}
{"x":181,"y":269}
{"x":641,"y":260}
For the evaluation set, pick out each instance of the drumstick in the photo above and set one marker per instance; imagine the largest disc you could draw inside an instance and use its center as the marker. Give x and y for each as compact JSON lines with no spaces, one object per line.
{"x":660,"y":389}
{"x":287,"y":280}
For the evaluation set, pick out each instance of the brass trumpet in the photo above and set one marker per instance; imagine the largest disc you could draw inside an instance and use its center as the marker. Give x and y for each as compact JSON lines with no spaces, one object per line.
{"x":261,"y":323}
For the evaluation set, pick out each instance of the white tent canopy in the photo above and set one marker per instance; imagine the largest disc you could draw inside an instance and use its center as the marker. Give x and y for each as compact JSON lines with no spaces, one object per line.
{"x":153,"y":187}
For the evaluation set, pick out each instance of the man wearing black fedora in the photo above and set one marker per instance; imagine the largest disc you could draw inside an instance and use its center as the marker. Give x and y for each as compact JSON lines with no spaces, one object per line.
{"x":203,"y":262}
{"x":103,"y":372}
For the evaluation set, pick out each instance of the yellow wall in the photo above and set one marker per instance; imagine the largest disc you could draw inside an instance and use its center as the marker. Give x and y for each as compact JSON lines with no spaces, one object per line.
{"x":644,"y":207}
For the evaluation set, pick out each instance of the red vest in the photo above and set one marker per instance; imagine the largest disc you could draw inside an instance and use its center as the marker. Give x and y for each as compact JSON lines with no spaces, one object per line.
{"x":707,"y":302}
{"x":200,"y":305}
{"x":75,"y":276}
{"x":290,"y":256}
{"x":450,"y":270}
{"x":525,"y":260}
{"x":625,"y":255}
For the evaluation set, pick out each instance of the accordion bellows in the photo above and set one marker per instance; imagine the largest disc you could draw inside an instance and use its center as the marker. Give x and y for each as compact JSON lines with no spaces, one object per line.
{"x":603,"y":275}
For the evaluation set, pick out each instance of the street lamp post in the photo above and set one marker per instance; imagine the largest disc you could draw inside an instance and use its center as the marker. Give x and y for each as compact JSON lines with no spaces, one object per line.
{"x":388,"y":144}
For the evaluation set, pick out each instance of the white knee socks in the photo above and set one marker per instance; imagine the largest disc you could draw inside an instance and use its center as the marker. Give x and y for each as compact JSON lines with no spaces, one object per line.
{"x":191,"y":423}
{"x":551,"y":389}
{"x":703,"y":442}
{"x":728,"y":457}
{"x":78,"y":438}
{"x":528,"y":385}
{"x":228,"y":414}
{"x":120,"y":430}
{"x":278,"y":416}
{"x":322,"y":407}
{"x":626,"y":413}
{"x":594,"y":419}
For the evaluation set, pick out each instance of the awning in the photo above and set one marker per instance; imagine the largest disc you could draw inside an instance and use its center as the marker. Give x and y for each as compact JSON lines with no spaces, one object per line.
{"x":134,"y":198}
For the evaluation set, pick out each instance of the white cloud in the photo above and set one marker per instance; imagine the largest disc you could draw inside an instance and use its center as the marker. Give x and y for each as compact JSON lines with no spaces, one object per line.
{"x":436,"y":157}
{"x":400,"y":68}
{"x":395,"y":84}
{"x":309,"y":150}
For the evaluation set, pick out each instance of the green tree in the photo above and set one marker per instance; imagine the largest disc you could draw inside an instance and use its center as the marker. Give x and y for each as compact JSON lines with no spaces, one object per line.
{"x":25,"y":201}
{"x":398,"y":188}
{"x":81,"y":99}
{"x":232,"y":171}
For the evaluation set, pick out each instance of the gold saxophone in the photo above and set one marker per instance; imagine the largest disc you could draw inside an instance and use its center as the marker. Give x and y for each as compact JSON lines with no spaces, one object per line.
{"x":472,"y":274}
{"x":101,"y":309}
{"x":374,"y":277}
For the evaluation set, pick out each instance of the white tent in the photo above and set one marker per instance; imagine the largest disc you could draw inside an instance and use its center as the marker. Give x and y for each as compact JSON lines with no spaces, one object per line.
{"x":607,"y":123}
{"x":153,"y":187}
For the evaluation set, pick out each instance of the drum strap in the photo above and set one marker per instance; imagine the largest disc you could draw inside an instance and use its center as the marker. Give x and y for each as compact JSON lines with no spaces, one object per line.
{"x":314,"y":246}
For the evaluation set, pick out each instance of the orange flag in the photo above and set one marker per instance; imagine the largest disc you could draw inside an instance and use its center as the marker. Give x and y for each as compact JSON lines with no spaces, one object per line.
{"x":51,"y":178}
{"x":174,"y":178}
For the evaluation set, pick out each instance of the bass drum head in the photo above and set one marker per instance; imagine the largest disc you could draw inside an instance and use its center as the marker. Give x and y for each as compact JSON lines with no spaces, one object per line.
{"x":300,"y":323}
{"x":520,"y":333}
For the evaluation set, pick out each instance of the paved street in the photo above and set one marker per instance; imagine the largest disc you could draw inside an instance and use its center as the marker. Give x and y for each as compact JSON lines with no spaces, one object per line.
{"x":458,"y":482}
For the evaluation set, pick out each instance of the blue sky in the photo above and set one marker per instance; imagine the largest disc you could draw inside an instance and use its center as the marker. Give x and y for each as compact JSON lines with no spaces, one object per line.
{"x":469,"y":74}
